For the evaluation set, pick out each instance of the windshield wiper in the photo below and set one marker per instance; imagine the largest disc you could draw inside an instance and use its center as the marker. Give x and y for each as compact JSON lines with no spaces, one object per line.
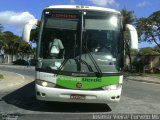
{"x":83,"y":62}
{"x":99,"y":72}
{"x":77,"y":61}
{"x":61,"y":66}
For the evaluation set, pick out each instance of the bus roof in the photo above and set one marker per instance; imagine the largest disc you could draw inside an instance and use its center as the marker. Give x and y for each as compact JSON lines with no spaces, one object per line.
{"x":80,"y":7}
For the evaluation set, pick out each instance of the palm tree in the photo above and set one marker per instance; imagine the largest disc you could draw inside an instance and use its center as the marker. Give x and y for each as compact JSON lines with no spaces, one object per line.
{"x":128,"y":18}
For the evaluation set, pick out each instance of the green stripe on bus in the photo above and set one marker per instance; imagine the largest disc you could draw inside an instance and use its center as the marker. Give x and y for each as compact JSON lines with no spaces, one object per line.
{"x":71,"y":82}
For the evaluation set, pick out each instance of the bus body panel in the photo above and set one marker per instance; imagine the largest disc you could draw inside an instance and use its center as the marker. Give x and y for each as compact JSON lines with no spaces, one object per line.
{"x":70,"y":82}
{"x":91,"y":96}
{"x":79,"y":7}
{"x":63,"y":95}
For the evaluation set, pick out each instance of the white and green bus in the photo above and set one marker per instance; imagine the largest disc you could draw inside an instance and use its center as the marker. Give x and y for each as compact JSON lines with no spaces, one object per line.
{"x":80,"y":53}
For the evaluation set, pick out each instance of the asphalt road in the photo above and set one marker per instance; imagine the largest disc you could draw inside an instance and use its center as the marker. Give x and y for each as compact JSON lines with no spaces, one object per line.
{"x":137,"y":98}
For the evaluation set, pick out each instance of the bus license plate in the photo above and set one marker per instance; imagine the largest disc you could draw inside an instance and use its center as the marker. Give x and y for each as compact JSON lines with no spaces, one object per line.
{"x":79,"y":97}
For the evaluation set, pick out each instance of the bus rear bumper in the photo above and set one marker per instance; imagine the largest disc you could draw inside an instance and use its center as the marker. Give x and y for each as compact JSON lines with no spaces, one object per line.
{"x":64,"y":95}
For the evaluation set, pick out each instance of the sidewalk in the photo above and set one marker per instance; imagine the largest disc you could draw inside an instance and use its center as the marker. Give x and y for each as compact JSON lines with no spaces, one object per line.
{"x":10,"y":81}
{"x":141,"y":78}
{"x":15,"y":66}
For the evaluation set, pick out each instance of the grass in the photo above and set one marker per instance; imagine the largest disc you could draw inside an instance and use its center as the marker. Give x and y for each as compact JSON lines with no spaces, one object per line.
{"x":1,"y":76}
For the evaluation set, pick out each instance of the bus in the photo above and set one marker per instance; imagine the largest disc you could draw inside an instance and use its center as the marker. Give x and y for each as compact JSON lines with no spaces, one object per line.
{"x":80,"y":53}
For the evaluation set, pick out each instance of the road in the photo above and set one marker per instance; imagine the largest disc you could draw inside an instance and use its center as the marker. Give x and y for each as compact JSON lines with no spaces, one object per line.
{"x":137,"y":98}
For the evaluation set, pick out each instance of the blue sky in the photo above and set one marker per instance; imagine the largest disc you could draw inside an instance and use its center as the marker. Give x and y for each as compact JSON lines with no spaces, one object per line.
{"x":15,"y":13}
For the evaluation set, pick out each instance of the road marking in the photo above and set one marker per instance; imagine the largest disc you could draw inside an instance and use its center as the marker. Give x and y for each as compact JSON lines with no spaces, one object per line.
{"x":20,"y":75}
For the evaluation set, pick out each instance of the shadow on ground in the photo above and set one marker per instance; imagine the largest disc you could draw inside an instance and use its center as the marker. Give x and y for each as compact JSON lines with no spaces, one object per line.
{"x":25,"y":98}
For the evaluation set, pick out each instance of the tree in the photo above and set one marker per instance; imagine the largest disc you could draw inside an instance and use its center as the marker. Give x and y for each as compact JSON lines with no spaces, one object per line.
{"x":34,"y":35}
{"x":157,"y":49}
{"x":133,"y":52}
{"x":149,"y":28}
{"x":24,"y":49}
{"x":128,"y":18}
{"x":11,"y":40}
{"x":143,"y":58}
{"x":147,"y":51}
{"x":2,"y":43}
{"x":14,"y":44}
{"x":1,"y":28}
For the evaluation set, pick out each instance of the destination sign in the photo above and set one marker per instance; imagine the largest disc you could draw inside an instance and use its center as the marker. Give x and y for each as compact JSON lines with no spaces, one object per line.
{"x":62,"y":15}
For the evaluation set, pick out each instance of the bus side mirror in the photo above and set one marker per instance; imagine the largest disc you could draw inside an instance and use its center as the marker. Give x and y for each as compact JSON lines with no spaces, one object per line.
{"x":133,"y":36}
{"x":27,"y":29}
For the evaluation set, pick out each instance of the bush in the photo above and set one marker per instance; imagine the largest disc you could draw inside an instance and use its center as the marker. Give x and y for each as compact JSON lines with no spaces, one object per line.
{"x":20,"y":62}
{"x":24,"y":62}
{"x":33,"y":62}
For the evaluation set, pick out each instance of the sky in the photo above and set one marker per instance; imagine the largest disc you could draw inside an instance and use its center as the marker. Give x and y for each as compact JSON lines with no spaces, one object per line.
{"x":15,"y":13}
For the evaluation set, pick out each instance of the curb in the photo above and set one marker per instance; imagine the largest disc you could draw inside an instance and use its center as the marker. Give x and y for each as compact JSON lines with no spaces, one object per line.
{"x":15,"y":66}
{"x":155,"y":82}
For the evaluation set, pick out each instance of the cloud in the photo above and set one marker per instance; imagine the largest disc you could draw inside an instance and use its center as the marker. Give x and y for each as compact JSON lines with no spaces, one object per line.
{"x":141,"y":4}
{"x":17,"y":19}
{"x":72,"y":1}
{"x":103,"y":2}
